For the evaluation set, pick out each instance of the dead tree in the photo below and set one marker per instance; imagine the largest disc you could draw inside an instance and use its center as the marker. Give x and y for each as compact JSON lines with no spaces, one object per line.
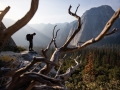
{"x":25,"y":80}
{"x":65,"y":48}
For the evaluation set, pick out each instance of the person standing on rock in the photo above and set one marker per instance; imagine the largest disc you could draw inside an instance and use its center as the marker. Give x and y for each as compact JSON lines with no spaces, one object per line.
{"x":29,"y":38}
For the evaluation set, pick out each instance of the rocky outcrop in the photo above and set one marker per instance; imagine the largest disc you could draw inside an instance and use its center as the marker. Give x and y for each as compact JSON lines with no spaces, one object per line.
{"x":29,"y":55}
{"x":93,"y":22}
{"x":10,"y":41}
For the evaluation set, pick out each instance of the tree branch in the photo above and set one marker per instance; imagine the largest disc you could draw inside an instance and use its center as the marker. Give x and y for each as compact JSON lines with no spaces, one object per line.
{"x":45,"y":50}
{"x":52,"y":40}
{"x":100,"y":36}
{"x":78,"y":28}
{"x":54,"y":30}
{"x":55,"y":38}
{"x":19,"y":24}
{"x":23,"y":21}
{"x":60,"y":62}
{"x":77,"y":8}
{"x":3,"y":13}
{"x":112,"y":32}
{"x":37,"y":64}
{"x":42,"y":79}
{"x":70,"y":70}
{"x":55,"y":56}
{"x":44,"y":87}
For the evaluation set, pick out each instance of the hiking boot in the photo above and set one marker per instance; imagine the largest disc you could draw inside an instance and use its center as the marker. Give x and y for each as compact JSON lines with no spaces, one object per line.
{"x":32,"y":50}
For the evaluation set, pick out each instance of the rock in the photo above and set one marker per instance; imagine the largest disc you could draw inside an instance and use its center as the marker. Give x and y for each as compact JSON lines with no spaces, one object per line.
{"x":24,"y":58}
{"x":10,"y":41}
{"x":94,"y":21}
{"x":29,"y":55}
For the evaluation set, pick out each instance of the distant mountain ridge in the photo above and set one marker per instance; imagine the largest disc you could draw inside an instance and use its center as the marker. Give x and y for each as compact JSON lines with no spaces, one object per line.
{"x":93,"y":21}
{"x":20,"y":36}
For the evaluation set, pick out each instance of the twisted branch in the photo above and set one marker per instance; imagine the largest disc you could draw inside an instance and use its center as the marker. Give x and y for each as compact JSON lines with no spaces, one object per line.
{"x":78,"y":28}
{"x":60,"y":65}
{"x":6,"y":34}
{"x":112,"y":32}
{"x":100,"y":36}
{"x":3,"y":13}
{"x":70,"y":70}
{"x":52,"y":40}
{"x":42,"y":79}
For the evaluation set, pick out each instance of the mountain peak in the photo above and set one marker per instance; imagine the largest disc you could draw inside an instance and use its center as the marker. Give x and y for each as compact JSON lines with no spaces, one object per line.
{"x":94,"y":21}
{"x":102,"y":7}
{"x":101,"y":10}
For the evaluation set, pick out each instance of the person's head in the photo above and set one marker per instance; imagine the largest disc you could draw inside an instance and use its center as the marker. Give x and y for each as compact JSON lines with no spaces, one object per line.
{"x":34,"y":33}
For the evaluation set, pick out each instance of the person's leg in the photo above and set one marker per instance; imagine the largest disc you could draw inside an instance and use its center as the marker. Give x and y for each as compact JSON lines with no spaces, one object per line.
{"x":29,"y":46}
{"x":32,"y":45}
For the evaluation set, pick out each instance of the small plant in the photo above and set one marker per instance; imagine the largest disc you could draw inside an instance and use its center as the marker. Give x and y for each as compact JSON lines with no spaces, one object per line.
{"x":9,"y":61}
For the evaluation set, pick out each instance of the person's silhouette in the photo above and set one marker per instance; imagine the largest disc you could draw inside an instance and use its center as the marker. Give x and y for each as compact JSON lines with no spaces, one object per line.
{"x":31,"y":41}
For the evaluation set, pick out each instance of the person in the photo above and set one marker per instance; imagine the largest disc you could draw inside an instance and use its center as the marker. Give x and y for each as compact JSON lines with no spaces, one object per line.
{"x":31,"y":42}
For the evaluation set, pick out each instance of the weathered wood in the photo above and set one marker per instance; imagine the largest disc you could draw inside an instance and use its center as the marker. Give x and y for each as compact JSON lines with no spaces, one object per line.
{"x":6,"y":34}
{"x":78,"y":28}
{"x":21,"y":79}
{"x":3,"y":13}
{"x":112,"y":32}
{"x":18,"y":74}
{"x":60,"y":65}
{"x":44,"y":87}
{"x":52,"y":40}
{"x":100,"y":36}
{"x":70,"y":70}
{"x":43,"y":79}
{"x":58,"y":51}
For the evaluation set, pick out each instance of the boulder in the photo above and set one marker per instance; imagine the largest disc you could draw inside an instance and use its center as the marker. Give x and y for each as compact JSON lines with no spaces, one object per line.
{"x":10,"y":41}
{"x":29,"y":55}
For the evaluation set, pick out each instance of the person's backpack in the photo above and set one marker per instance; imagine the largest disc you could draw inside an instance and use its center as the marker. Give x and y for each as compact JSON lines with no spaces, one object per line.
{"x":28,"y":37}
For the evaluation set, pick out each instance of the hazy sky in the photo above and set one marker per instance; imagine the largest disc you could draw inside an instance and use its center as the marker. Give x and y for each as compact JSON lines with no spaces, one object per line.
{"x":53,"y":11}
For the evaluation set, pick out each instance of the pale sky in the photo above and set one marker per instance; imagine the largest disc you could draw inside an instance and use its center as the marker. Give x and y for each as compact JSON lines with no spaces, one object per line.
{"x":53,"y":11}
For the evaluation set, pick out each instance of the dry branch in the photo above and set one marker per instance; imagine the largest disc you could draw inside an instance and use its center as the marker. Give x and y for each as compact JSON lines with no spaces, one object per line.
{"x":78,"y":28}
{"x":112,"y":32}
{"x":42,"y":79}
{"x":60,"y":65}
{"x":58,"y":51}
{"x":19,"y":74}
{"x":6,"y":34}
{"x":3,"y":13}
{"x":21,"y":78}
{"x":44,"y":87}
{"x":70,"y":70}
{"x":52,"y":40}
{"x":35,"y":60}
{"x":100,"y":36}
